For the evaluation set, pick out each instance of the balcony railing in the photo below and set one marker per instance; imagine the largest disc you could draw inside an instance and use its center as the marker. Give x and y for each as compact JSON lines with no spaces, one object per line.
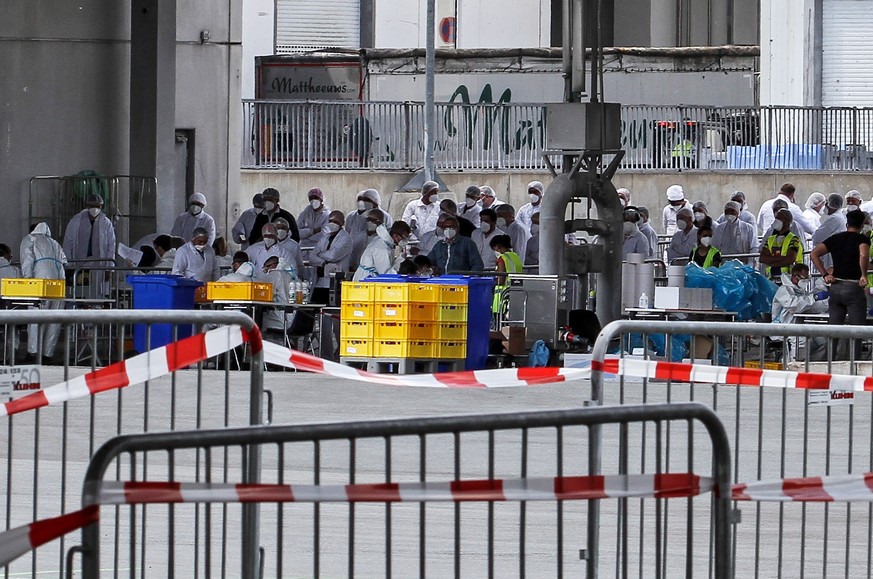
{"x":509,"y":137}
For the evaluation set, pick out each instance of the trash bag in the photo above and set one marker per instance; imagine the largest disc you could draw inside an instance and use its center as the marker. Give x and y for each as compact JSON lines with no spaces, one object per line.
{"x":539,"y":355}
{"x":736,"y":287}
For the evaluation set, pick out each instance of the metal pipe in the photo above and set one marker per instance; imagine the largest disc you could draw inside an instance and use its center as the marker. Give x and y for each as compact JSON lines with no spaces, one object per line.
{"x":429,"y":64}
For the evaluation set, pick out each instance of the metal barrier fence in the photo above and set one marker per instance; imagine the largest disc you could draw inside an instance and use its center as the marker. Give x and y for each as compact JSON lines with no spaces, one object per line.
{"x":497,"y":536}
{"x":389,"y":135}
{"x":52,"y":433}
{"x":775,"y":432}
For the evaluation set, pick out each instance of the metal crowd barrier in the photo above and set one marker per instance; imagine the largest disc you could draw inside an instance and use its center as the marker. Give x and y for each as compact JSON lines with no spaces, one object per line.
{"x":385,"y":532}
{"x":775,"y":433}
{"x":49,"y":445}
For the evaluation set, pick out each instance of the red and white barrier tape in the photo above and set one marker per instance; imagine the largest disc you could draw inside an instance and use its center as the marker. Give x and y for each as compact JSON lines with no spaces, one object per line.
{"x":21,"y":540}
{"x":501,"y":378}
{"x":682,"y":372}
{"x":667,"y":485}
{"x":849,"y":488}
{"x":147,"y":366}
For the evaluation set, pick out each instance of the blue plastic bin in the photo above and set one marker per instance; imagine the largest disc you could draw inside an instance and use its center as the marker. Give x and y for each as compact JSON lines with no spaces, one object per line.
{"x":161,"y":292}
{"x":480,"y":293}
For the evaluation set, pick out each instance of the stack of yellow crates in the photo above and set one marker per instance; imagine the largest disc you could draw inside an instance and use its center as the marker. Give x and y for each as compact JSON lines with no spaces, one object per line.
{"x":403,"y":320}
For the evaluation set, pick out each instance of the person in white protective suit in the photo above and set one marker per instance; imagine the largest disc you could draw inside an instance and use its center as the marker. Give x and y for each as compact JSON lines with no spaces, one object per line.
{"x":90,"y":235}
{"x":242,"y":229}
{"x":331,"y":255}
{"x":798,"y":294}
{"x":196,"y":259}
{"x":193,"y":218}
{"x":242,"y":271}
{"x":378,"y":256}
{"x":42,"y":258}
{"x":277,"y":271}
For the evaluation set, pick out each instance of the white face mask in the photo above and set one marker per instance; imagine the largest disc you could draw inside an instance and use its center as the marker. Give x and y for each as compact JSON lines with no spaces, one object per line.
{"x":450,"y":233}
{"x":731,"y":218}
{"x":433,"y":198}
{"x":94,"y":211}
{"x":698,"y":216}
{"x":705,"y":241}
{"x":501,"y":223}
{"x":853,"y":208}
{"x":281,"y":234}
{"x":804,"y":284}
{"x":269,"y":242}
{"x":269,"y":205}
{"x":333,"y":227}
{"x":497,"y":254}
{"x":371,"y":227}
{"x":195,"y":209}
{"x":534,"y":228}
{"x":534,"y":198}
{"x":439,"y":232}
{"x":629,"y":228}
{"x":315,"y":204}
{"x":362,"y":206}
{"x":823,"y":211}
{"x":469,"y":202}
{"x":777,"y":225}
{"x":486,"y":227}
{"x":259,"y":210}
{"x":199,"y":246}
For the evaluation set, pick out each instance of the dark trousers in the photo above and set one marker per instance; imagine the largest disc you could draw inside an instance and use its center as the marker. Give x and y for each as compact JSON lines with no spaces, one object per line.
{"x":847,"y":300}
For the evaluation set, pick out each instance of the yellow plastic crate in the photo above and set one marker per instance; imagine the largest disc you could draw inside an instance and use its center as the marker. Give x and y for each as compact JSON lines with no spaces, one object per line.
{"x":404,"y":330}
{"x":452,"y":294}
{"x":408,"y":312}
{"x":239,"y":290}
{"x":358,"y":292}
{"x":428,"y":293}
{"x":453,"y":331}
{"x":362,"y":348}
{"x":392,"y":293}
{"x":354,"y":329}
{"x":451,"y":313}
{"x":403,"y":349}
{"x":451,"y":350}
{"x":32,"y":288}
{"x":356,"y":311}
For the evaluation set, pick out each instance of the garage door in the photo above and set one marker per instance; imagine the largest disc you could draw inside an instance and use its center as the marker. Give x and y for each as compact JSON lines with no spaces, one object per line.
{"x":847,"y":53}
{"x":303,"y":25}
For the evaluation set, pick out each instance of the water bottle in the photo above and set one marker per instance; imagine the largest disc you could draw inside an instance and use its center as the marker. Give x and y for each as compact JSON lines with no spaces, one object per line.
{"x":644,"y":301}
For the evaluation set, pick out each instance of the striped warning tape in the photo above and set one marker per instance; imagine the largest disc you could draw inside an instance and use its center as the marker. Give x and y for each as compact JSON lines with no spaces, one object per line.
{"x":850,"y":488}
{"x":21,"y":540}
{"x":682,"y":372}
{"x":147,"y":366}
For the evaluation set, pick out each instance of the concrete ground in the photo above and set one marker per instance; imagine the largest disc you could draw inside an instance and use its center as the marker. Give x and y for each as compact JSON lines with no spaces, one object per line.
{"x":773,"y":434}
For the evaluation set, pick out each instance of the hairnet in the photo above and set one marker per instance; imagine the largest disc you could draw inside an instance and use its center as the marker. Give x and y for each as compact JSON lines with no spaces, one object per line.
{"x":814,"y":199}
{"x":197,"y":198}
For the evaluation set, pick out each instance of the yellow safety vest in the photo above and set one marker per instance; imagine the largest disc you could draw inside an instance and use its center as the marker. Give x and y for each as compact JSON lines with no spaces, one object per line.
{"x":513,"y":265}
{"x":710,"y":256}
{"x":790,"y":242}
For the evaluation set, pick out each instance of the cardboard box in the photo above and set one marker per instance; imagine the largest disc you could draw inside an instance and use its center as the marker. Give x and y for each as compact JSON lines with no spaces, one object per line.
{"x":513,"y":340}
{"x":683,"y":298}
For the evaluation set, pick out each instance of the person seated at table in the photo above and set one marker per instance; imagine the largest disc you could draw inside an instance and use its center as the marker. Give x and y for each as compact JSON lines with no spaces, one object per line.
{"x":196,"y":259}
{"x":705,"y":255}
{"x":220,"y":248}
{"x":243,"y":269}
{"x":407,"y":267}
{"x":277,"y":271}
{"x":269,"y":246}
{"x":6,"y":268}
{"x":163,"y":245}
{"x":798,"y":294}
{"x":425,"y":267}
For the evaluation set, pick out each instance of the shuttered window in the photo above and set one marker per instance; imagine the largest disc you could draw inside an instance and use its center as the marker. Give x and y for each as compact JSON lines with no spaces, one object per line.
{"x":303,"y":25}
{"x":847,"y":53}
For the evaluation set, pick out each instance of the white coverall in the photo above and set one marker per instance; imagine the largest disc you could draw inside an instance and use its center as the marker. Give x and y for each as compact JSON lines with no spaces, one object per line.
{"x":194,"y":264}
{"x":244,"y":273}
{"x":790,"y":300}
{"x":378,"y":258}
{"x":242,"y":229}
{"x":186,"y":224}
{"x":101,"y":235}
{"x":42,"y":258}
{"x":334,"y":258}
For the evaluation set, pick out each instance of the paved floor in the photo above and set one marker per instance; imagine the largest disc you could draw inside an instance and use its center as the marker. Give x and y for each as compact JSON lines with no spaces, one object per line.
{"x":773,"y":433}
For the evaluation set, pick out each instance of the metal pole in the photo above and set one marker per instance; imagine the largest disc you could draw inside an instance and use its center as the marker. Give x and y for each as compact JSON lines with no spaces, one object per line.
{"x":429,"y":63}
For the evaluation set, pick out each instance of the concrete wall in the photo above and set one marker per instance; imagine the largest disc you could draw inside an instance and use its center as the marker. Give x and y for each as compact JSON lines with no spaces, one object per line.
{"x":648,"y":189}
{"x":64,"y":96}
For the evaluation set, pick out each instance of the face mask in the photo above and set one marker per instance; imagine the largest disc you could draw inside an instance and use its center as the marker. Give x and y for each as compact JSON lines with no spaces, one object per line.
{"x":629,"y":227}
{"x":731,"y":218}
{"x":371,"y":227}
{"x":450,"y":233}
{"x":200,"y":246}
{"x":269,"y":205}
{"x":469,"y":202}
{"x":684,"y":224}
{"x":501,"y":223}
{"x":195,"y":210}
{"x":777,"y":225}
{"x":403,"y":243}
{"x":853,"y":208}
{"x":433,"y":198}
{"x":269,"y":242}
{"x":282,"y":234}
{"x":369,"y":204}
{"x":698,"y":216}
{"x":260,"y":210}
{"x":497,"y":254}
{"x":705,"y":241}
{"x":94,"y":211}
{"x":333,"y":227}
{"x":440,"y":232}
{"x":362,"y":206}
{"x":315,"y":204}
{"x":823,"y":211}
{"x":804,"y":284}
{"x":534,"y":228}
{"x":486,"y":228}
{"x":534,"y":198}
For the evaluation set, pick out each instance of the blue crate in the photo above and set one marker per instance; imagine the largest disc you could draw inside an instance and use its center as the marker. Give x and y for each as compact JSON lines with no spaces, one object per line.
{"x":480,"y":293}
{"x":161,"y":292}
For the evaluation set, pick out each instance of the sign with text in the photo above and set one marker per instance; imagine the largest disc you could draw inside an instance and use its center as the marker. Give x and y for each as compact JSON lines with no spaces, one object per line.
{"x":19,"y":379}
{"x":308,"y":81}
{"x":830,"y":397}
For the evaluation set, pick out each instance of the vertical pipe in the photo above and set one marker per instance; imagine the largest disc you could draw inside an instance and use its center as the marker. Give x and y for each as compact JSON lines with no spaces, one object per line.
{"x":429,"y":91}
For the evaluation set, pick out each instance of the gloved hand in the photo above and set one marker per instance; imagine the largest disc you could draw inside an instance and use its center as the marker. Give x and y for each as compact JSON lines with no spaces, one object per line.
{"x":822,"y":295}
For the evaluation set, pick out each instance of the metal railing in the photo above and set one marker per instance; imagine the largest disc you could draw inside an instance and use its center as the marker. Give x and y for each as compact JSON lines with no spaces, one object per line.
{"x":388,"y":135}
{"x":416,"y":536}
{"x":776,"y":432}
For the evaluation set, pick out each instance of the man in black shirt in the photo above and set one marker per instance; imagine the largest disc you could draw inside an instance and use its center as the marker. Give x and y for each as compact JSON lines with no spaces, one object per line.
{"x":271,"y":213}
{"x":849,"y":251}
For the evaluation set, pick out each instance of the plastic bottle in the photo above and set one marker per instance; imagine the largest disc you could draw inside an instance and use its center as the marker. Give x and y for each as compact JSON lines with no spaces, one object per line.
{"x":644,"y":301}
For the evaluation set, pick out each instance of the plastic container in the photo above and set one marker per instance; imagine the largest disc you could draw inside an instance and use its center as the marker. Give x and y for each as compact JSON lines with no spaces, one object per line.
{"x":32,"y":288}
{"x":476,"y":314}
{"x":161,"y":292}
{"x":403,"y":330}
{"x":354,"y":329}
{"x":359,"y":292}
{"x":454,"y":350}
{"x":451,"y":313}
{"x":403,"y":349}
{"x":454,"y":331}
{"x":356,"y":348}
{"x":356,"y":311}
{"x":453,"y":294}
{"x":239,"y":290}
{"x":403,"y":312}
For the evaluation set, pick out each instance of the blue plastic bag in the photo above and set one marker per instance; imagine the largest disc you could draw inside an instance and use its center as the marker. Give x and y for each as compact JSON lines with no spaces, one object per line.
{"x":539,"y":355}
{"x":736,"y":287}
